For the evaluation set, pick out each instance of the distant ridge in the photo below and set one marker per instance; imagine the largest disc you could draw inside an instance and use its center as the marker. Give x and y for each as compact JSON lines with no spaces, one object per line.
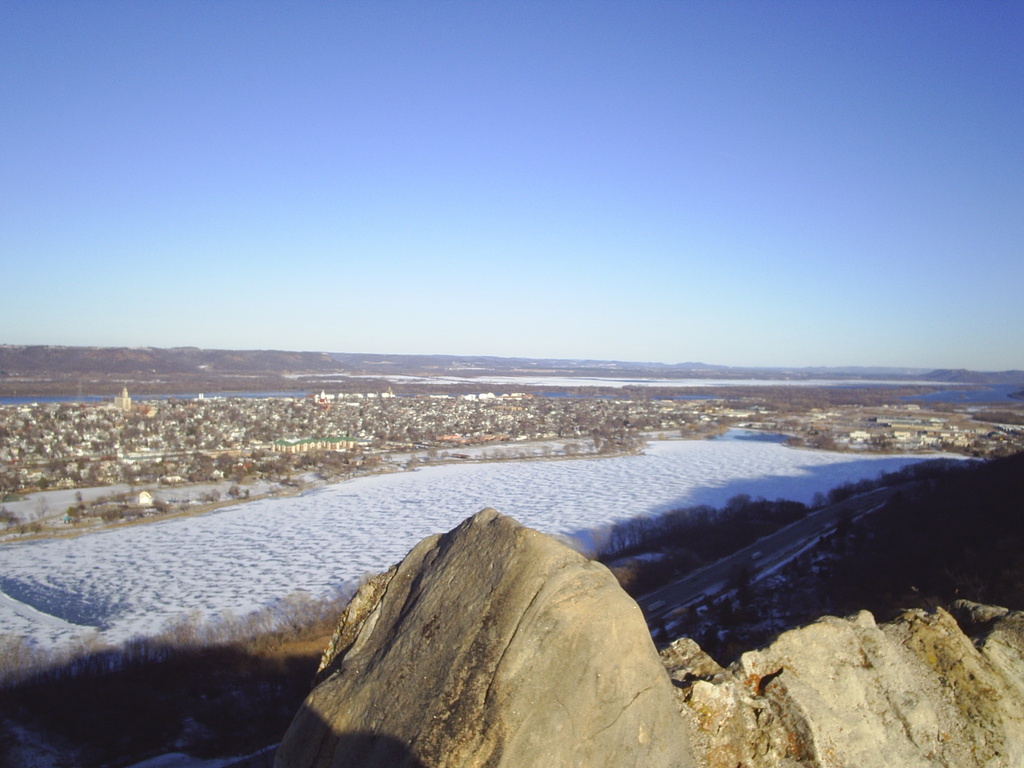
{"x":123,"y":360}
{"x":963,"y":376}
{"x":64,"y":360}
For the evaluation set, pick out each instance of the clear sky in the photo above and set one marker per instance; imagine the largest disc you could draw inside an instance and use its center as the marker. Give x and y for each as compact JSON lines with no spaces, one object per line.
{"x":741,"y":183}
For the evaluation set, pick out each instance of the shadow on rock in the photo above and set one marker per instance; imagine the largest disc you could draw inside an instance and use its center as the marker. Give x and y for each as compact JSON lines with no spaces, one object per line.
{"x":357,"y":750}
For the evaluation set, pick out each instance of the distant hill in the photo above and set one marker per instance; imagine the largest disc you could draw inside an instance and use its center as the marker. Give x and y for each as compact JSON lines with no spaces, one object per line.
{"x":481,"y":364}
{"x":963,"y":376}
{"x":126,"y":360}
{"x":56,"y":361}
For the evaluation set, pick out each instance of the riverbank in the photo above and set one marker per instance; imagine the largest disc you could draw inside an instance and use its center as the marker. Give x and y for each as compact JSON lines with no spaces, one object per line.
{"x":45,"y":514}
{"x":46,"y":510}
{"x":55,"y":526}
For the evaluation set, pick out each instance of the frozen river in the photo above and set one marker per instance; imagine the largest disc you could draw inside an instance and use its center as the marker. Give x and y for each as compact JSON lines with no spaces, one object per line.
{"x":131,"y":581}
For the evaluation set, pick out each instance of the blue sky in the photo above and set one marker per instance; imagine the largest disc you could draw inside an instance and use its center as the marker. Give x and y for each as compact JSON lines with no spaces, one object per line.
{"x":741,"y":183}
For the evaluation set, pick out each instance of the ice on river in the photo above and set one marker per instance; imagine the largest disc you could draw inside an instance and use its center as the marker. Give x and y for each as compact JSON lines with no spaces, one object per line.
{"x":131,"y":581}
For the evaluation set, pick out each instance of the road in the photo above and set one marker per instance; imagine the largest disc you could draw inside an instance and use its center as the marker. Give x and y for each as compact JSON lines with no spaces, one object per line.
{"x":763,"y":555}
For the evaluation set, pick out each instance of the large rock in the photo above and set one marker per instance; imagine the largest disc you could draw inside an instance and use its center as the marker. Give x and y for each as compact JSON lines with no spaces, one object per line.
{"x":492,"y":645}
{"x":917,"y":693}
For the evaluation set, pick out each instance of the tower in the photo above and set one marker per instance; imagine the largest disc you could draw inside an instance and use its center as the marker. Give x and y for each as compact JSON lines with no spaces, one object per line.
{"x":122,"y":402}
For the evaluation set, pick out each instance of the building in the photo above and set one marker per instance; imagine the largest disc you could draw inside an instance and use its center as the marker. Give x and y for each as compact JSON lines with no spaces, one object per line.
{"x":122,"y":402}
{"x":314,"y":444}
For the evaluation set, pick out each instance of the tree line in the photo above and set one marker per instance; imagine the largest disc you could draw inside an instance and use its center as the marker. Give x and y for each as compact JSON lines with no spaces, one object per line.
{"x":648,"y":552}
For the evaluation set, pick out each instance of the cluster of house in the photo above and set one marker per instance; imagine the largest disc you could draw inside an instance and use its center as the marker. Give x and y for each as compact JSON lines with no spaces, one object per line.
{"x":69,"y":445}
{"x":197,"y":439}
{"x":904,"y":428}
{"x":307,"y":444}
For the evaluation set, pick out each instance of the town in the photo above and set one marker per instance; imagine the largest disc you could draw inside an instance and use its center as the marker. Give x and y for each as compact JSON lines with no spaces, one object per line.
{"x":146,"y":452}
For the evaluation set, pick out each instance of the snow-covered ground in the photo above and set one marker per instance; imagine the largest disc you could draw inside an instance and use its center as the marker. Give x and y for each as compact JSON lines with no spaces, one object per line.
{"x":131,"y":581}
{"x":51,"y":505}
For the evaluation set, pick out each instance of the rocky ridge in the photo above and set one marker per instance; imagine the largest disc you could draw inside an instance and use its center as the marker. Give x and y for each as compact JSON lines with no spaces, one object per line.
{"x":913,"y":692}
{"x":494,"y":645}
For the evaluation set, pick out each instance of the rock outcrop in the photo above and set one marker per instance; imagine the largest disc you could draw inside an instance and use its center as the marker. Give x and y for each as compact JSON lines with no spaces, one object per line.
{"x":492,"y":645}
{"x":847,"y":692}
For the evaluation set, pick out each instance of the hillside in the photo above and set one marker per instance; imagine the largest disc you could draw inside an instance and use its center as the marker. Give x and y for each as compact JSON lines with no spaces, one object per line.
{"x":957,"y":532}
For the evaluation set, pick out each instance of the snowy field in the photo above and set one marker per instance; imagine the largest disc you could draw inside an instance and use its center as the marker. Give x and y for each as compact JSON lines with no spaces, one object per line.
{"x":131,"y":581}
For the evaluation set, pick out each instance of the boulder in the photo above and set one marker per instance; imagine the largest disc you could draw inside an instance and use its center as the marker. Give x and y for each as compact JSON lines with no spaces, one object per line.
{"x":491,"y":645}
